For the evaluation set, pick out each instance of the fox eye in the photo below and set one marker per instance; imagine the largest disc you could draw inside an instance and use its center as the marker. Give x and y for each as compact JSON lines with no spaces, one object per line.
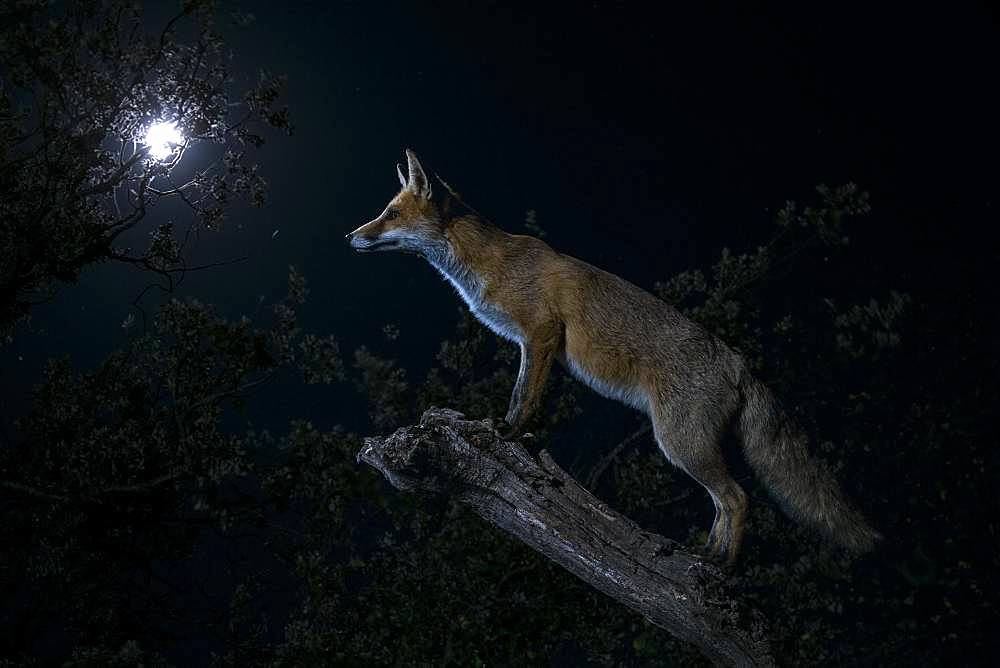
{"x":392,"y":214}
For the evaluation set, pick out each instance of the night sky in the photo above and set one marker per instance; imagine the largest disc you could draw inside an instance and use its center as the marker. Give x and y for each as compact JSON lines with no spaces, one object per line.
{"x":645,"y":143}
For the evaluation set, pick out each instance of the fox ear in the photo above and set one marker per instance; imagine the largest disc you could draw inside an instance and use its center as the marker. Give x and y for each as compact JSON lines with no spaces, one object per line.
{"x":418,"y":180}
{"x":399,"y":173}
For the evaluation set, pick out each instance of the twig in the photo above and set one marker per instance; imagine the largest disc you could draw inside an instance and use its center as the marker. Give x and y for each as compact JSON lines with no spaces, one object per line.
{"x":608,"y":459}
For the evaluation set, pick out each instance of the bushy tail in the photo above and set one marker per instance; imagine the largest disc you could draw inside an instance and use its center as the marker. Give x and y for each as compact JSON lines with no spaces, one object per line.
{"x":806,"y":490}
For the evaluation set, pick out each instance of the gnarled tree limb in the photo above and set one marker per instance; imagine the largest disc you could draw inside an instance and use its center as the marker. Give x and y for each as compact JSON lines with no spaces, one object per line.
{"x":543,"y":506}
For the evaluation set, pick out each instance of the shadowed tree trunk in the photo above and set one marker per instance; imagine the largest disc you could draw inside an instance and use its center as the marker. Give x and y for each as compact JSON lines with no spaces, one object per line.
{"x":543,"y":506}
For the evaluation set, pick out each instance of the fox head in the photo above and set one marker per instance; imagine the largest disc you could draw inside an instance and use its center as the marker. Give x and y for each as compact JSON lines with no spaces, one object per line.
{"x":410,"y":222}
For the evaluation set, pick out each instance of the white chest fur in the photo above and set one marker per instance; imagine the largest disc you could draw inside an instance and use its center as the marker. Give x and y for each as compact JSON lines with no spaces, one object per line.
{"x":498,"y":320}
{"x":472,"y":290}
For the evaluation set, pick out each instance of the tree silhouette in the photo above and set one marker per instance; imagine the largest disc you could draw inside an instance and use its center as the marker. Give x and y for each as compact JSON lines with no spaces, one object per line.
{"x":80,"y":86}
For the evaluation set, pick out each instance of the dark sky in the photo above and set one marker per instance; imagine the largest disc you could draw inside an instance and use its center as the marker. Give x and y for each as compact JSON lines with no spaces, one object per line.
{"x":645,"y":142}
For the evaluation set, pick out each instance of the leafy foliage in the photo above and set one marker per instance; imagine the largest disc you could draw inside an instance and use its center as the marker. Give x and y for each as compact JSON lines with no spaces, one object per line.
{"x":119,"y":472}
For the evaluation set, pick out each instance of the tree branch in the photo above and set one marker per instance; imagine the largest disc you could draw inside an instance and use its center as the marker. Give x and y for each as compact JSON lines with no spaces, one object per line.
{"x":116,"y":176}
{"x":541,"y":505}
{"x":135,"y":488}
{"x":608,"y":459}
{"x":32,"y":491}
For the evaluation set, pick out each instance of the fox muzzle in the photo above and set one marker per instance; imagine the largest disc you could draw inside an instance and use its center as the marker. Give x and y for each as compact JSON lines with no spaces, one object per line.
{"x":369,"y":238}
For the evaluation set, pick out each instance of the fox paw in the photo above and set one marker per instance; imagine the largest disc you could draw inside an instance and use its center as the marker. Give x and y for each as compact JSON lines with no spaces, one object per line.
{"x":499,"y":425}
{"x":506,"y":430}
{"x":717,"y":557}
{"x":509,"y":432}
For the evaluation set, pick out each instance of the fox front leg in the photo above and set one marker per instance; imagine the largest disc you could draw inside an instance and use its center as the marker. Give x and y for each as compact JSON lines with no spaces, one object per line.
{"x":536,"y":362}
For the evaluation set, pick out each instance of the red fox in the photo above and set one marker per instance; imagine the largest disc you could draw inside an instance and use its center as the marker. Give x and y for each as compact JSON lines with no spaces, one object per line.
{"x":627,"y":345}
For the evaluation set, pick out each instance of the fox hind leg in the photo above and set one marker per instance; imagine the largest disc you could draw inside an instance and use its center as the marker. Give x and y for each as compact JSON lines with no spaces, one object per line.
{"x":691,"y":440}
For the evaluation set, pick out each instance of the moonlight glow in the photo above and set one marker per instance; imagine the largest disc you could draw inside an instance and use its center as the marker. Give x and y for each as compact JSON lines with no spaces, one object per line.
{"x":162,"y":138}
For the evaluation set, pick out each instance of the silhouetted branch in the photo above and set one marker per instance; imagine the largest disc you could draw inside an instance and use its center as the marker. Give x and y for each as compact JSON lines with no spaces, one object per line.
{"x":135,"y":488}
{"x":608,"y":459}
{"x":540,"y":504}
{"x":34,"y":492}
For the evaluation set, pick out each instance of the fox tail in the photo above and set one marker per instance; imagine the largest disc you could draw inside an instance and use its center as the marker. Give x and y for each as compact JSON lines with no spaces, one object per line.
{"x":807,"y":491}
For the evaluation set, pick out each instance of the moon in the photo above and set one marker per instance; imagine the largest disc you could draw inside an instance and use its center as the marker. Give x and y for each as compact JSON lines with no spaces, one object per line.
{"x":162,"y":139}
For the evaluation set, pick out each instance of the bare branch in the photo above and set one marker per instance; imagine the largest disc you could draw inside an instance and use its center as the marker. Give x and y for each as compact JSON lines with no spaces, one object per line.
{"x":541,"y":505}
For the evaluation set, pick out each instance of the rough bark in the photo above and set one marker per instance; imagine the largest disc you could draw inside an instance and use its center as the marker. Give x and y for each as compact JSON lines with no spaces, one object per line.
{"x":543,"y":506}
